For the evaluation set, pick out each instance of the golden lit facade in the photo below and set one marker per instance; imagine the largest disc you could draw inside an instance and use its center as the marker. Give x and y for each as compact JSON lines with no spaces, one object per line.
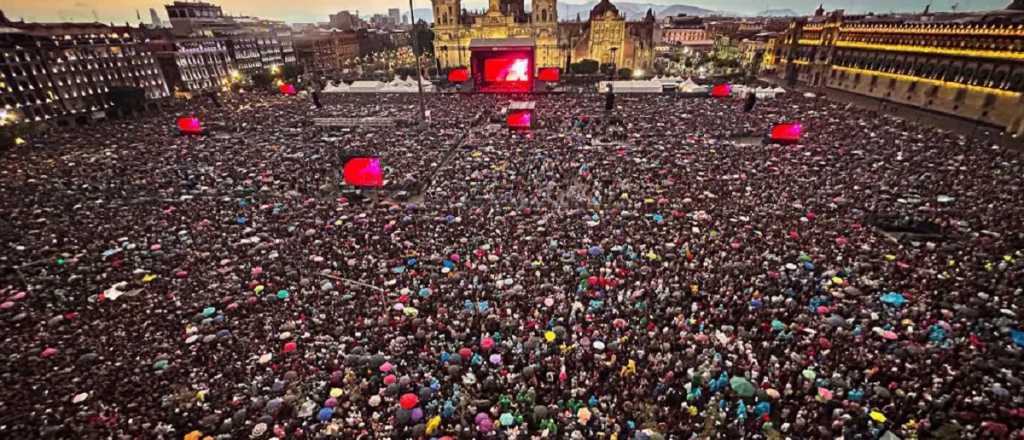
{"x":607,"y":37}
{"x":971,"y":66}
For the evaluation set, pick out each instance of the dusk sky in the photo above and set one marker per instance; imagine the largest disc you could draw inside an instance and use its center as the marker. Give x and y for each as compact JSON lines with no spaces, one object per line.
{"x":120,"y":11}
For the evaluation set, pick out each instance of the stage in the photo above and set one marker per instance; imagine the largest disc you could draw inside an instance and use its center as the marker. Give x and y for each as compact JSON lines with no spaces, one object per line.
{"x":503,"y":65}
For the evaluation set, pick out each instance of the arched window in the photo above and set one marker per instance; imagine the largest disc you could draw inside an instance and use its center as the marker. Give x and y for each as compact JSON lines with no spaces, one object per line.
{"x":544,"y":15}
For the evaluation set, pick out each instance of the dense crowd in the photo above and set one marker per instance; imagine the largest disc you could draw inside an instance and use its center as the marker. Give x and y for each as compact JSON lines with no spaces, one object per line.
{"x":645,"y":274}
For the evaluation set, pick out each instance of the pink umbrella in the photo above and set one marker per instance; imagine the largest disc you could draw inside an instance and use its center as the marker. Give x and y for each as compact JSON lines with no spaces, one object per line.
{"x":841,"y":241}
{"x":48,"y":352}
{"x":735,"y":245}
{"x":888,"y":334}
{"x":17,"y":296}
{"x":256,"y":271}
{"x":386,"y":367}
{"x":825,"y":394}
{"x":487,"y":343}
{"x":289,"y":347}
{"x":7,"y":305}
{"x":454,"y":257}
{"x":390,"y":379}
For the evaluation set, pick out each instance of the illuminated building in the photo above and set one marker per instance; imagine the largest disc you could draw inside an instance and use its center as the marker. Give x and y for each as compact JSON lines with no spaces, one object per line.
{"x":606,"y":37}
{"x":968,"y":64}
{"x":74,"y":72}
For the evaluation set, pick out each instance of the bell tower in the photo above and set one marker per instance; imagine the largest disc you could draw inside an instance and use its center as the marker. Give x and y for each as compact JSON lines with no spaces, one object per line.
{"x":544,"y":12}
{"x":446,"y":12}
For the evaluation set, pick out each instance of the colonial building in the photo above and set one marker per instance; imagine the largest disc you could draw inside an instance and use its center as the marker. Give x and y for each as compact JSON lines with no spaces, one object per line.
{"x":192,"y":65}
{"x":967,"y":64}
{"x":73,"y":72}
{"x":605,"y":37}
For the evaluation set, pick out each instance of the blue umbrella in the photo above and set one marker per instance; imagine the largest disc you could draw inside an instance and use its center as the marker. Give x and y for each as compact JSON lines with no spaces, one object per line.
{"x":325,"y":414}
{"x":448,"y":263}
{"x":894,"y":299}
{"x":595,"y":251}
{"x":808,"y":266}
{"x":1018,"y":337}
{"x":425,"y":292}
{"x":658,"y":218}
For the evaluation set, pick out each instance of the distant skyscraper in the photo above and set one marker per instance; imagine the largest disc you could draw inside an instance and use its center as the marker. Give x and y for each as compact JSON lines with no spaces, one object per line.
{"x":395,"y":16}
{"x":155,"y":18}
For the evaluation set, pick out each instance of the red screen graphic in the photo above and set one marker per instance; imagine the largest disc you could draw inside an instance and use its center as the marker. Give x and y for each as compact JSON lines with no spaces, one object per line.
{"x":721,"y":91}
{"x":287,"y":89}
{"x":190,"y":125}
{"x":788,"y":132}
{"x":550,"y":74}
{"x":518,"y":119}
{"x":460,"y":74}
{"x":364,"y":172}
{"x":506,"y":70}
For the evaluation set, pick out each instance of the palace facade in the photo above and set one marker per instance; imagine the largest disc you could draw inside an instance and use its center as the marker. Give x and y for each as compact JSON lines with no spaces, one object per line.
{"x":969,"y":65}
{"x":606,"y":37}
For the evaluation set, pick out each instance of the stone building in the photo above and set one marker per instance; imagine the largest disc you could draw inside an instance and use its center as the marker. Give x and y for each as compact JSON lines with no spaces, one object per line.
{"x":969,"y":65}
{"x":605,"y":37}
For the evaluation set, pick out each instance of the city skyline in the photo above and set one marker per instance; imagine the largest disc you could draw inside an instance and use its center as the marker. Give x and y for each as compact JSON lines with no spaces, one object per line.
{"x":120,"y":11}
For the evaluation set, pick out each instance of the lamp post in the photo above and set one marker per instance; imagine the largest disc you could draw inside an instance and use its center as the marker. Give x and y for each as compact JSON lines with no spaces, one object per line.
{"x":419,"y":68}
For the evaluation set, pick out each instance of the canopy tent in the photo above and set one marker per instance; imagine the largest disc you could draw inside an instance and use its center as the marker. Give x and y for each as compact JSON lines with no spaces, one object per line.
{"x":651,"y":86}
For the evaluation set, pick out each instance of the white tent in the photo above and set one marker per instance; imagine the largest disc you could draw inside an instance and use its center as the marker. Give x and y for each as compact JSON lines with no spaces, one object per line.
{"x":339,"y":88}
{"x":365,"y":87}
{"x":652,"y":86}
{"x":689,"y":86}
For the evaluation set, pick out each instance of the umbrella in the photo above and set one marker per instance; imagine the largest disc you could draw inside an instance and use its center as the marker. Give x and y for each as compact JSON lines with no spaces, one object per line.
{"x":890,"y":335}
{"x":495,"y":359}
{"x":390,"y":379}
{"x":374,"y":401}
{"x":540,"y":411}
{"x":742,"y":386}
{"x":877,"y":416}
{"x":772,"y":392}
{"x":506,"y":419}
{"x":416,"y":414}
{"x":809,"y":374}
{"x":289,"y":347}
{"x":893,"y":299}
{"x":778,"y":325}
{"x":881,"y":392}
{"x":386,"y":367}
{"x":487,"y":343}
{"x":824,"y":393}
{"x":408,"y":401}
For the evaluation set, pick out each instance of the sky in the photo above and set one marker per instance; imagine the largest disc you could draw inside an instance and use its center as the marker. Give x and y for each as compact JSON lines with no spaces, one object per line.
{"x":120,"y":11}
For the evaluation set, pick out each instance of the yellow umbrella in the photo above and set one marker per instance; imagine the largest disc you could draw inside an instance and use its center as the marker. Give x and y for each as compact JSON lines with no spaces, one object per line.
{"x":877,"y":416}
{"x":259,"y":289}
{"x":335,"y":392}
{"x":432,"y":424}
{"x":549,"y":336}
{"x":148,"y":278}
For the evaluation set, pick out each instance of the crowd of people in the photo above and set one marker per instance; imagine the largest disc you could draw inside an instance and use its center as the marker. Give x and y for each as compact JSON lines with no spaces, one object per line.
{"x":638,"y":274}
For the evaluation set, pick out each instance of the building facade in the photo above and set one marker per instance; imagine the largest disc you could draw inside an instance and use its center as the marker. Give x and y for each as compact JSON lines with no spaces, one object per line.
{"x":967,"y":65}
{"x":606,"y":36}
{"x":192,"y":65}
{"x":73,"y":71}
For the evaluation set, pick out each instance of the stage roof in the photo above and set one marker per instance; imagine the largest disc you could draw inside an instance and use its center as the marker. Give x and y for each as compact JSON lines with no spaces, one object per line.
{"x":501,"y":43}
{"x":522,"y":105}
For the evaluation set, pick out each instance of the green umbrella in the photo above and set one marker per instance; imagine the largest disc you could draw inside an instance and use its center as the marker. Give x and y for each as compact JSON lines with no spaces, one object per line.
{"x":809,"y":374}
{"x":282,"y":294}
{"x":742,"y":386}
{"x":160,"y":365}
{"x":778,"y":325}
{"x":209,"y":311}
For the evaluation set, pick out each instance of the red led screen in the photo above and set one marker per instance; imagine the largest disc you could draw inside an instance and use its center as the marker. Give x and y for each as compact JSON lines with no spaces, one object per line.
{"x":364,"y":172}
{"x":460,"y":74}
{"x":550,"y":74}
{"x":287,"y":89}
{"x":498,"y":70}
{"x":788,"y":132}
{"x":190,"y":125}
{"x":520,"y":119}
{"x":721,"y":91}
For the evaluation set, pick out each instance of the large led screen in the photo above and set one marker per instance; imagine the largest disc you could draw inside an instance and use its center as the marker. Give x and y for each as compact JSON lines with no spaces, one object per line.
{"x":786,"y":133}
{"x":190,"y":125}
{"x":364,"y":172}
{"x":504,"y":70}
{"x":520,"y":119}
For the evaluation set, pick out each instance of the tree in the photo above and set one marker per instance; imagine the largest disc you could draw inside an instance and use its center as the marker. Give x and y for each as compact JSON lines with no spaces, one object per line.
{"x":422,"y":39}
{"x":291,"y":72}
{"x":584,"y":67}
{"x":262,"y":80}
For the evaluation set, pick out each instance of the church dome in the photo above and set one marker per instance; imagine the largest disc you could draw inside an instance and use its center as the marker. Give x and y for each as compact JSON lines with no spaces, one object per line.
{"x":602,"y":8}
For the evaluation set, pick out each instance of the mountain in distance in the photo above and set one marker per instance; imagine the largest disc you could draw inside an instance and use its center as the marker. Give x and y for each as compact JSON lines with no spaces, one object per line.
{"x":635,"y":11}
{"x":778,"y":13}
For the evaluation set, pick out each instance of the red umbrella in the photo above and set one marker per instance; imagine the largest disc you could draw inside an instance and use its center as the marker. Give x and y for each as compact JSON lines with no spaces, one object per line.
{"x":408,"y":401}
{"x":487,"y":343}
{"x":466,"y":353}
{"x":289,"y":347}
